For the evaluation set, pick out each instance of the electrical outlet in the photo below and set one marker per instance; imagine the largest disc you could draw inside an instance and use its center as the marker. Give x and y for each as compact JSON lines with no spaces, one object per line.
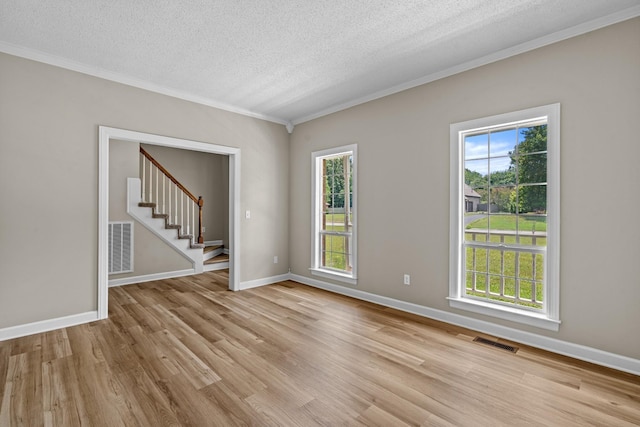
{"x":247,"y":214}
{"x":275,"y":259}
{"x":407,"y":279}
{"x":204,"y":229}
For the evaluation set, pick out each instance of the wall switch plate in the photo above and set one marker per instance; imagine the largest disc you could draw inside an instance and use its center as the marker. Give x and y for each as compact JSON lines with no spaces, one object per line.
{"x":407,"y":279}
{"x":247,"y":214}
{"x":275,"y":259}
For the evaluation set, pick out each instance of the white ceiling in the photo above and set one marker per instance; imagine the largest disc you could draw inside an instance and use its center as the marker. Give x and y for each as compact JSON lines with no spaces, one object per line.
{"x":285,"y":60}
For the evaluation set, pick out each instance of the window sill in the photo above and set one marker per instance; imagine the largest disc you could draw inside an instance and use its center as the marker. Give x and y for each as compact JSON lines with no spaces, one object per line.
{"x":526,"y":317}
{"x":346,"y":278}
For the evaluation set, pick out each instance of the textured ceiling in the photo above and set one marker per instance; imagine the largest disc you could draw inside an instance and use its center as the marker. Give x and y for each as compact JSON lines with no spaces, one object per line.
{"x":289,"y":60}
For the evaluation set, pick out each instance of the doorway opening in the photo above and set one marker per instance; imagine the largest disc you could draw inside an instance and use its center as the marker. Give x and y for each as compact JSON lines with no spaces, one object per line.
{"x":106,"y":134}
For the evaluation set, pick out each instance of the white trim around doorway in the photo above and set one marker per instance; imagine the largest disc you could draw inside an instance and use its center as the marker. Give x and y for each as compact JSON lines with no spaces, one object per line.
{"x":108,"y":133}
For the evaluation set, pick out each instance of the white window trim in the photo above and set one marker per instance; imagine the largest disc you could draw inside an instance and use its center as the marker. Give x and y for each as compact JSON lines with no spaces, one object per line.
{"x":549,"y":317}
{"x":316,"y":219}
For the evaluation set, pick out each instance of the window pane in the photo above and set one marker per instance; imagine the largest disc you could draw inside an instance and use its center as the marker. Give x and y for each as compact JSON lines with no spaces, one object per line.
{"x":326,"y":221}
{"x":509,"y":287}
{"x":338,"y":202}
{"x":531,"y":199}
{"x":495,"y":284}
{"x":532,"y":169}
{"x":476,"y":172}
{"x":531,"y":293}
{"x":501,"y":198}
{"x":502,"y":170}
{"x":337,"y":252}
{"x":532,"y":139}
{"x":476,"y":146}
{"x":501,"y":143}
{"x":532,"y":229}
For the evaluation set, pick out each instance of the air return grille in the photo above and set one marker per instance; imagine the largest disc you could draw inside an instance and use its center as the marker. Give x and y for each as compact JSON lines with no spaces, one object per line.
{"x":120,"y":247}
{"x":506,"y":347}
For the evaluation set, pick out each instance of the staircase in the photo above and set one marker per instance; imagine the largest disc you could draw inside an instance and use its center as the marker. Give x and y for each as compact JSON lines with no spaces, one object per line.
{"x":169,"y":226}
{"x":215,"y":258}
{"x":166,"y":208}
{"x":145,"y":213}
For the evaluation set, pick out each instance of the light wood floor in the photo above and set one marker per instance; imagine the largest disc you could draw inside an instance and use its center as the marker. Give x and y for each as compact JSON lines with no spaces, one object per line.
{"x":188,"y":352}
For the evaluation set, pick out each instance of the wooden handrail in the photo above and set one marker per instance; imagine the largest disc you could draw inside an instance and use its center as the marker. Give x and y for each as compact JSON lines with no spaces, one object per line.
{"x":168,"y":175}
{"x":197,"y":200}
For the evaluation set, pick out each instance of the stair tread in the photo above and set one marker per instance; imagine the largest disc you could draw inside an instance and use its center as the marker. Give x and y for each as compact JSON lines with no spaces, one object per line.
{"x":219,"y":258}
{"x":212,"y":248}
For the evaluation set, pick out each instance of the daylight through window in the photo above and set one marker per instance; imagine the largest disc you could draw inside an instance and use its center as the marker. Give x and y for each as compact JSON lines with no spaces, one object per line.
{"x":334,"y":243}
{"x":504,"y":228}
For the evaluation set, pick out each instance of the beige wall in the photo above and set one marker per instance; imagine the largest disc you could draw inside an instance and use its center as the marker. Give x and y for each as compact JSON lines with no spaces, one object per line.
{"x":202,"y":174}
{"x":49,"y":120}
{"x":403,"y":179}
{"x":150,"y":254}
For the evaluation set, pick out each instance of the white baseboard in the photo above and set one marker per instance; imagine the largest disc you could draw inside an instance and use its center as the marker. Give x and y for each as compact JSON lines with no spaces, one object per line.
{"x":577,"y":351}
{"x":264,"y":281}
{"x":150,"y":277}
{"x":213,"y":242}
{"x":225,"y":251}
{"x":47,"y":325}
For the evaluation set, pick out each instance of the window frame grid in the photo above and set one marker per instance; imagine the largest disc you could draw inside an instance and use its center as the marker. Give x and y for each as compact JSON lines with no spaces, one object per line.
{"x":317,"y":231}
{"x":548,"y":317}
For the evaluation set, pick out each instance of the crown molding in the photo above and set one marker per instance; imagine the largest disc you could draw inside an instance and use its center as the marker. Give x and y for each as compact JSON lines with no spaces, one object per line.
{"x":46,"y":58}
{"x":558,"y":36}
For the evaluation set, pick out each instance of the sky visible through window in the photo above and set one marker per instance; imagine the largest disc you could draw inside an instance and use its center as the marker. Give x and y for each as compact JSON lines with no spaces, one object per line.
{"x":496,"y":145}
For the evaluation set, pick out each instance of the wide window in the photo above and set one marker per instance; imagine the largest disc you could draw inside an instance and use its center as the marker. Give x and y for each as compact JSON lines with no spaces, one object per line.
{"x":334,"y":213}
{"x":505,"y":216}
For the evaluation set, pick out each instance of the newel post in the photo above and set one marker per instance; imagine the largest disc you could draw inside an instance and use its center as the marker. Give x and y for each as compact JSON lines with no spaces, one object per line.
{"x":200,"y":203}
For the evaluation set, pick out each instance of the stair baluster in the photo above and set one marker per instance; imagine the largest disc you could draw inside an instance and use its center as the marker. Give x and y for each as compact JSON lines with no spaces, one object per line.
{"x":183,"y":221}
{"x":144,"y":161}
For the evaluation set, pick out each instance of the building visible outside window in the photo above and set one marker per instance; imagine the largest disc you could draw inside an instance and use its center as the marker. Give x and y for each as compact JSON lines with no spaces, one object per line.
{"x":505,"y":216}
{"x":334,"y":213}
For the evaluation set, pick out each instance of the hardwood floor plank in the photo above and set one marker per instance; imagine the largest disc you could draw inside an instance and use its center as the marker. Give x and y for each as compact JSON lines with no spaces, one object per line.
{"x":116,"y":346}
{"x":236,"y":378}
{"x":55,"y":345}
{"x":236,"y":410}
{"x":5,"y":354}
{"x":26,"y":344}
{"x":171,"y":322}
{"x":152,"y":403}
{"x":192,"y":408}
{"x":199,"y":324}
{"x":375,"y":416}
{"x":24,"y":392}
{"x":188,"y":352}
{"x":84,"y":347}
{"x":187,"y":363}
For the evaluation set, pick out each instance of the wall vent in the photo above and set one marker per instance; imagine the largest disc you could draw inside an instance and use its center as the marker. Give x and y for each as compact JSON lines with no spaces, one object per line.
{"x":506,"y":347}
{"x":120,"y":247}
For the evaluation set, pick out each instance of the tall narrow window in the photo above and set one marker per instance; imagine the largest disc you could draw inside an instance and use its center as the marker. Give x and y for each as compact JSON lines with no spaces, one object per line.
{"x":505,"y":216}
{"x":334,"y":213}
